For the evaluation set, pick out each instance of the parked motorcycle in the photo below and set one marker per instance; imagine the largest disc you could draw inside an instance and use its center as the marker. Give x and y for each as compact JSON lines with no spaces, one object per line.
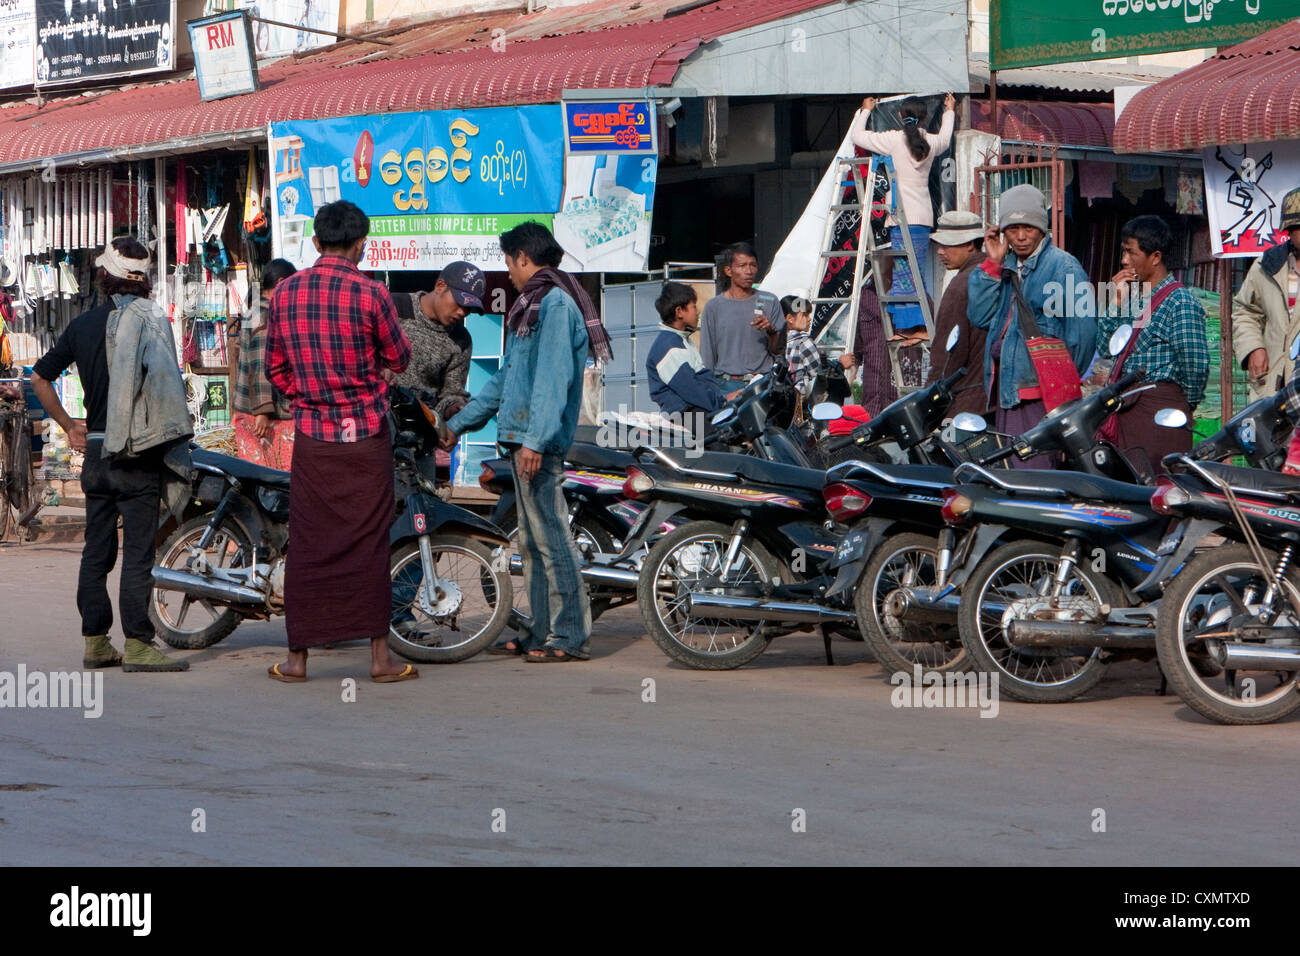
{"x":1229,"y":635}
{"x":1063,"y":568}
{"x":226,"y":563}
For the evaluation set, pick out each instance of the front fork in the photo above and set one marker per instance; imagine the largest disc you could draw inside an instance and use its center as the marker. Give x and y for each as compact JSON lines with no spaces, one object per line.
{"x":432,"y":586}
{"x":738,"y":531}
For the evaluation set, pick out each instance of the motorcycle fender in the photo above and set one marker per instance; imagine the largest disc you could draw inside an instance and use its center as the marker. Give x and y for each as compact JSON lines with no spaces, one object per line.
{"x":1180,"y":543}
{"x":854,"y":552}
{"x":977,"y":544}
{"x":647,"y":525}
{"x":425,"y":514}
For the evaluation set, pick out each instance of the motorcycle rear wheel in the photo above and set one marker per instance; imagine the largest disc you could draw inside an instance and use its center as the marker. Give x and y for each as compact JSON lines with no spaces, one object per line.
{"x":673,"y":571}
{"x":1192,"y":598}
{"x":478,"y":611}
{"x":171,"y":611}
{"x":904,"y":560}
{"x":1036,"y":675}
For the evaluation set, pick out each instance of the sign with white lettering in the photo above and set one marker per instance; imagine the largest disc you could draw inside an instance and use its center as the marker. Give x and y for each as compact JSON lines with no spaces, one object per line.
{"x":98,"y":41}
{"x":224,"y":59}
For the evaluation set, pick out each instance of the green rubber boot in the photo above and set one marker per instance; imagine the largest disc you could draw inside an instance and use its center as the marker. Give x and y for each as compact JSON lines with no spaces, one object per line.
{"x":100,"y":653}
{"x":140,"y":657}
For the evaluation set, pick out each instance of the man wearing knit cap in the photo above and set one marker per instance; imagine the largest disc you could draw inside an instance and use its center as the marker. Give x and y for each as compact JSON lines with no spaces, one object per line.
{"x":1056,"y":288}
{"x":1266,"y":310}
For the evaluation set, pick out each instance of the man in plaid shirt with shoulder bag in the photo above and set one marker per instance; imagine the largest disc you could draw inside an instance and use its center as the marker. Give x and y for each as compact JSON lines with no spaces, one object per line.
{"x":334,"y":344}
{"x":1168,"y":342}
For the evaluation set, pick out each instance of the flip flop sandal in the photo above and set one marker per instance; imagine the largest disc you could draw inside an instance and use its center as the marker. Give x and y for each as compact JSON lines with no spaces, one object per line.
{"x":407,"y":673}
{"x":552,"y":655}
{"x":504,"y":649}
{"x":273,"y":672}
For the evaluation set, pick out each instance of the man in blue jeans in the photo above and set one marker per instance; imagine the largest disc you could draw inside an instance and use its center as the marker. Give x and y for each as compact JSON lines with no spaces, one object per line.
{"x":552,"y":328}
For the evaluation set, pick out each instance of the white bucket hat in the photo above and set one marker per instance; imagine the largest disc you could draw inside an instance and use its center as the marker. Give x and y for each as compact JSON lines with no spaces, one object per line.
{"x":958,"y":227}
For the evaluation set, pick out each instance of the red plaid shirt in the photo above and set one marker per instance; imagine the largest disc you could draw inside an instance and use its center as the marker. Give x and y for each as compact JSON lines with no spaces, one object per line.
{"x":329,"y":332}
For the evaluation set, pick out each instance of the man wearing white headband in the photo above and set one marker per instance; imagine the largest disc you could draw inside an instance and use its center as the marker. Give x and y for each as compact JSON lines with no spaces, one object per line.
{"x":135,"y":411}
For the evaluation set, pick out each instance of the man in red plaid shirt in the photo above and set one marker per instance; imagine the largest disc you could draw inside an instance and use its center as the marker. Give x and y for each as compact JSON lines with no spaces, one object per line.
{"x":333,"y":343}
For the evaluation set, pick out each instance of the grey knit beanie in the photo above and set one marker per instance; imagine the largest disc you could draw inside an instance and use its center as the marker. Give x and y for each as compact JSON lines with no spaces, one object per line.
{"x":1023,"y":205}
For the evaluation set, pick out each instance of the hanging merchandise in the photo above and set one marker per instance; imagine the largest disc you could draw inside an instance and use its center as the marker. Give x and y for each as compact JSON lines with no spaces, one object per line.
{"x":254,"y":216}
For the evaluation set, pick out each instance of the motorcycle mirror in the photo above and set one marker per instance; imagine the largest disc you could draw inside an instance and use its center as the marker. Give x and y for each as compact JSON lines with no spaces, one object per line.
{"x":723,"y":415}
{"x":1171,"y":418}
{"x":955,"y":336}
{"x":1120,"y":338}
{"x":970,"y":422}
{"x":1295,"y":348}
{"x":827,"y":412}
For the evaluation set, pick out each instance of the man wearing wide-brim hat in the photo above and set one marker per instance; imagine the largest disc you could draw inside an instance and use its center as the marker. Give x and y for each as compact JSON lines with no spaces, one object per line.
{"x":1266,"y":310}
{"x":959,"y":240}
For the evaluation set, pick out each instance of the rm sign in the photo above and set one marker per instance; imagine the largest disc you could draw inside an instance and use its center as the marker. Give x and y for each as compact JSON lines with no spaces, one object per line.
{"x":224,"y":57}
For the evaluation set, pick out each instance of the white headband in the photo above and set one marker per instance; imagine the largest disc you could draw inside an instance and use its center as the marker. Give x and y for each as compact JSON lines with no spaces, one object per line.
{"x":119,"y":265}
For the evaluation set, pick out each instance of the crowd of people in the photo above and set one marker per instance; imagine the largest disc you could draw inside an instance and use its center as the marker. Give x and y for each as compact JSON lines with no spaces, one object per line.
{"x":316,"y":360}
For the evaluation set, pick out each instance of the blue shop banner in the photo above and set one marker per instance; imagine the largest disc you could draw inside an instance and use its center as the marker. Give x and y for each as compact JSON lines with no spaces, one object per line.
{"x":437,"y":185}
{"x":618,"y":127}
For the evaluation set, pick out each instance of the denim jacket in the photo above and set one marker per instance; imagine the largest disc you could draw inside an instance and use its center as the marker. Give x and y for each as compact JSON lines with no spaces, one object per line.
{"x":146,"y":394}
{"x":536,"y":393}
{"x":1064,"y":304}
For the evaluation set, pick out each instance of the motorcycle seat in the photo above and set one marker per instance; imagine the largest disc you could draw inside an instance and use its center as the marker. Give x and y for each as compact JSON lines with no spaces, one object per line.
{"x":598,"y":458}
{"x":1255,"y":479}
{"x":754,"y":469}
{"x":1078,"y":484}
{"x":901,"y":476}
{"x":240,"y":469}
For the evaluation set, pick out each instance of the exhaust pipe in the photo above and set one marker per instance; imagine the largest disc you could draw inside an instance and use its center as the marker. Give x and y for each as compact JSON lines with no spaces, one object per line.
{"x":1023,"y":633}
{"x":920,"y":606}
{"x":604,"y":574}
{"x":720,"y":607}
{"x":197,"y":585}
{"x":1256,"y":657}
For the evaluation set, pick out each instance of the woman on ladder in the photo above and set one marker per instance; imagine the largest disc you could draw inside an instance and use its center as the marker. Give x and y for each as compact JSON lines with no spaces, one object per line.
{"x":912,"y":149}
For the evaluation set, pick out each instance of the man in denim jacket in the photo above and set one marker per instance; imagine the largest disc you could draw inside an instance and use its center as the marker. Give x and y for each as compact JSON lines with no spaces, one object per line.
{"x":1056,"y":288}
{"x":535,"y":397}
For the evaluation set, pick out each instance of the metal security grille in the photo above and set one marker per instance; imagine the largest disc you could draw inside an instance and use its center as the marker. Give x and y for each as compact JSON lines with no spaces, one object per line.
{"x":1047,"y":174}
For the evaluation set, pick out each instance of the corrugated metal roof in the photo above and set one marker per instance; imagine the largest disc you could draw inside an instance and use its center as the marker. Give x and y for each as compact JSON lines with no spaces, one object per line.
{"x":606,"y":44}
{"x":1073,"y":77}
{"x":1084,"y":125}
{"x":1249,"y":93}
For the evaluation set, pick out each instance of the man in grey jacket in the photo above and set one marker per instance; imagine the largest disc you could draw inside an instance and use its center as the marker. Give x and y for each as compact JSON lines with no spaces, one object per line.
{"x":434,"y":323}
{"x":132,"y":387}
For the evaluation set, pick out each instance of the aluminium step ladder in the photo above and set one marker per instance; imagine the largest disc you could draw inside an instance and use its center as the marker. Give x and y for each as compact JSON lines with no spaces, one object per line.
{"x":851,"y":186}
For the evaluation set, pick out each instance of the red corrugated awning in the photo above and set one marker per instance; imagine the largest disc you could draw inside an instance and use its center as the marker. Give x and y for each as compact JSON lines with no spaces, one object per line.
{"x":478,"y":60}
{"x":1083,"y":125}
{"x":1249,"y":93}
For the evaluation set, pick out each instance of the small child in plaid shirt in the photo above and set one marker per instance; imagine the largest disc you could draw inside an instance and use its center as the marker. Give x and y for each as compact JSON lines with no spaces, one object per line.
{"x":801,"y":352}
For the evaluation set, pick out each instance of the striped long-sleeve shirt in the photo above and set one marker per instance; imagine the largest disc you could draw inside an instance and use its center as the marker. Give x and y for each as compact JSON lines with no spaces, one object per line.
{"x":1172,"y":347}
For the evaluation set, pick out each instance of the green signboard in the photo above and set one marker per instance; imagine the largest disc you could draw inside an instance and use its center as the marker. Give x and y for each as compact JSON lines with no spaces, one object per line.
{"x":1033,"y":32}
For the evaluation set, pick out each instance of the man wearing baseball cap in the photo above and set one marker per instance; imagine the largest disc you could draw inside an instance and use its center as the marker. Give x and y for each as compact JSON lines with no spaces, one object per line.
{"x":440,"y":346}
{"x":959,"y":240}
{"x":1266,"y":310}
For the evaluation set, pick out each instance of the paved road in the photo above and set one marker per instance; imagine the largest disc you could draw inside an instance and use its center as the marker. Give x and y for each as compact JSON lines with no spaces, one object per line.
{"x":586,"y":772}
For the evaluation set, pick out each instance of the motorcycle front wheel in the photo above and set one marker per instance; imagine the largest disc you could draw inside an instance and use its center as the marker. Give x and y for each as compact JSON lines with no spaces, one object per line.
{"x":688,"y":561}
{"x":1205,"y":597}
{"x":471,"y":600}
{"x":1023,"y":570}
{"x":186,"y":622}
{"x":904,"y":561}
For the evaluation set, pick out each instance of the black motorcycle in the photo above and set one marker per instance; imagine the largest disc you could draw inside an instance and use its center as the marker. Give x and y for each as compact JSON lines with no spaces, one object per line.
{"x":225,"y":562}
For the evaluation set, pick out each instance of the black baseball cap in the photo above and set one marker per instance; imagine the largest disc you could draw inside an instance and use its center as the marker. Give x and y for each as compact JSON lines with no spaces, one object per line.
{"x":467,"y":283}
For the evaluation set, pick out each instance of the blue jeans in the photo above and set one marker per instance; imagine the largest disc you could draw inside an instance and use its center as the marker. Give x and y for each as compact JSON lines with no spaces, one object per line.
{"x":908,"y":317}
{"x":557,"y":595}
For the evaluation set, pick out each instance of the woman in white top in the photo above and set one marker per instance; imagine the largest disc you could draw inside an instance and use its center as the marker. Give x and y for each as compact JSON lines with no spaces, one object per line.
{"x":912,"y":149}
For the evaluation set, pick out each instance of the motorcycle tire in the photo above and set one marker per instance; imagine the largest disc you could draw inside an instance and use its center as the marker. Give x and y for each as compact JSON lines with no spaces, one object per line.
{"x":1034,"y":675}
{"x":709,"y":539}
{"x":1184,"y":606}
{"x":887,"y":636}
{"x":490,"y":581}
{"x":231,"y":548}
